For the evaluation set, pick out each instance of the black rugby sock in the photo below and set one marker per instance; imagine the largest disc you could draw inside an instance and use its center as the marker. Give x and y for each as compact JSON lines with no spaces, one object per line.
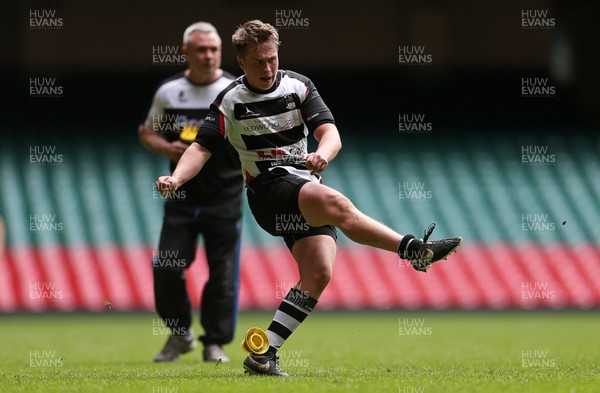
{"x":408,"y":246}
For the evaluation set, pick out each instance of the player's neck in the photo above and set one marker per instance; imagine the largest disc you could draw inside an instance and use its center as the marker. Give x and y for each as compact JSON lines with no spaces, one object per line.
{"x":201,"y":79}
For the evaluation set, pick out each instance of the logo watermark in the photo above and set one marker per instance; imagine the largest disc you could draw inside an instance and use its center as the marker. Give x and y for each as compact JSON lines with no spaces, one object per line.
{"x":174,"y":196}
{"x":537,"y":155}
{"x":45,"y":88}
{"x":411,"y":389}
{"x":414,"y":55}
{"x":42,"y":222}
{"x":536,"y":291}
{"x":282,"y":289}
{"x":535,"y":222}
{"x":413,"y":123}
{"x":537,"y":20}
{"x":292,"y":358}
{"x":413,"y":191}
{"x":44,"y":291}
{"x":168,"y":259}
{"x":167,"y":123}
{"x":44,"y":155}
{"x":291,"y":19}
{"x":536,"y":358}
{"x":416,"y":257}
{"x":44,"y":358}
{"x":290,"y":223}
{"x":537,"y":88}
{"x":44,"y":20}
{"x":167,"y":55}
{"x":165,"y":389}
{"x":413,"y":327}
{"x":167,"y":327}
{"x":171,"y":123}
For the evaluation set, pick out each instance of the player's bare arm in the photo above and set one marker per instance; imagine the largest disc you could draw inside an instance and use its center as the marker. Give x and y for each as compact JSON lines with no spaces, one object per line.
{"x":155,"y":143}
{"x":329,"y":145}
{"x":190,"y":163}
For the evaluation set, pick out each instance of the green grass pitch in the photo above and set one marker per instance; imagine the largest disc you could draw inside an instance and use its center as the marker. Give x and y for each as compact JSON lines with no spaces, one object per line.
{"x":393,"y":351}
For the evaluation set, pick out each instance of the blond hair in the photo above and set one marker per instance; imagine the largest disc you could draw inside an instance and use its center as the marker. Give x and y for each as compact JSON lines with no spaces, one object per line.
{"x":254,"y":32}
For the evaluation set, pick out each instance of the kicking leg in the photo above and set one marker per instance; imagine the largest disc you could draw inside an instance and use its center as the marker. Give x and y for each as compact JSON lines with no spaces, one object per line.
{"x":322,"y":205}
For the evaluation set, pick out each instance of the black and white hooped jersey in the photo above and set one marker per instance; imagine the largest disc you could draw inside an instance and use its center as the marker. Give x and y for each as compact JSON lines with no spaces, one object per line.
{"x":177,"y":112}
{"x":267,"y":128}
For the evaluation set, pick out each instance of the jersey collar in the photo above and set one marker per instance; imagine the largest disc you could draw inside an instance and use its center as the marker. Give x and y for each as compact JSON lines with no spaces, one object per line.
{"x":270,"y":90}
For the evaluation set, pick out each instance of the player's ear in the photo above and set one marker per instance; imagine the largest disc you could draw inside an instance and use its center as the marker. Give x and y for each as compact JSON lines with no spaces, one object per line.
{"x":241,"y":63}
{"x":184,"y":49}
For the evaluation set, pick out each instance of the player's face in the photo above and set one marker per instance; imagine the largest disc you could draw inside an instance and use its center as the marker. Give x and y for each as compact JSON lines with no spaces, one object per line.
{"x":203,"y":53}
{"x":260,"y":64}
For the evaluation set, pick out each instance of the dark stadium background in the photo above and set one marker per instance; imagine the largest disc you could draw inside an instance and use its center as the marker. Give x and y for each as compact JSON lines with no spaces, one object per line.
{"x":471,"y":91}
{"x":102,"y":57}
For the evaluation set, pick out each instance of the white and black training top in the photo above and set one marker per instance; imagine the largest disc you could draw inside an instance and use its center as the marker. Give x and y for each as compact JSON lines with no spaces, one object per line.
{"x":267,"y":128}
{"x":177,"y":112}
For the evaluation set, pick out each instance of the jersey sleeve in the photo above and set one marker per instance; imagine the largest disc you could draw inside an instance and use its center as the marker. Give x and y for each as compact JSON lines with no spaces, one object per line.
{"x":156,"y":111}
{"x":212,"y":130}
{"x":314,"y":110}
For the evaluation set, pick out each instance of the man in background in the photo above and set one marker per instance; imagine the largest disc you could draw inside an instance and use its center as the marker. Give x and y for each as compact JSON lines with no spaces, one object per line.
{"x":209,"y":204}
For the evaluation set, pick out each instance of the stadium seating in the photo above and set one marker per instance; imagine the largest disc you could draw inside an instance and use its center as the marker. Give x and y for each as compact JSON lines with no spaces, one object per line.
{"x":530,"y":240}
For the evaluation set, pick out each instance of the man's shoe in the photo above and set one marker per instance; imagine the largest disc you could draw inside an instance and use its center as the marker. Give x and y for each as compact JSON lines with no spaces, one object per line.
{"x":422,"y":253}
{"x":214,"y":353}
{"x":267,"y":364}
{"x":175,"y":346}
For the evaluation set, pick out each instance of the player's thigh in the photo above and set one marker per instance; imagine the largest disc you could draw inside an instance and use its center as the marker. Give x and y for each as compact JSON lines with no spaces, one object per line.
{"x":322,"y":205}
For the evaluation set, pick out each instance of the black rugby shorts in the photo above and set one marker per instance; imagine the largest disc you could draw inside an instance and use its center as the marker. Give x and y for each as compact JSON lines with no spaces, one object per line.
{"x":273,"y":200}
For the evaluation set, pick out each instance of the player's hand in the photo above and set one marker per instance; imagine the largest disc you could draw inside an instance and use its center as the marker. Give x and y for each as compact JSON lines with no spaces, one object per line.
{"x":176,"y":149}
{"x":315,"y":162}
{"x":166,"y":185}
